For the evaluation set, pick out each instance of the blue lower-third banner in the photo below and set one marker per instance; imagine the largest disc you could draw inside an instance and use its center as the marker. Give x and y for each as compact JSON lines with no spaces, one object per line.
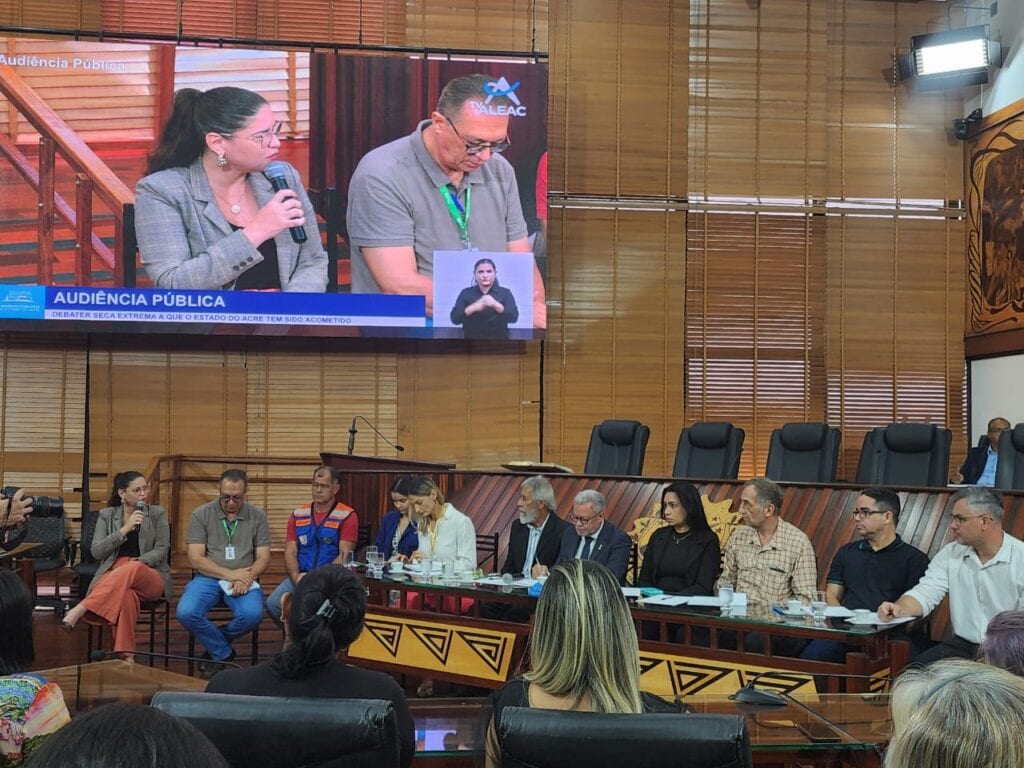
{"x":241,"y":307}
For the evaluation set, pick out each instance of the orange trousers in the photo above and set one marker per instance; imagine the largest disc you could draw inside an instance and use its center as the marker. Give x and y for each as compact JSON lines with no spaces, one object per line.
{"x":116,"y":596}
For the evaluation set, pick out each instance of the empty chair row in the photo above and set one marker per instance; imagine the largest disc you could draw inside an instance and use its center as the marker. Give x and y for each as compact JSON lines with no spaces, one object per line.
{"x":914,"y":455}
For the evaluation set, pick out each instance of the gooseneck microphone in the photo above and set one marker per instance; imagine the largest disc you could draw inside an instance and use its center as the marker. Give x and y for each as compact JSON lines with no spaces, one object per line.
{"x":140,"y":506}
{"x":352,"y":431}
{"x":275,"y":173}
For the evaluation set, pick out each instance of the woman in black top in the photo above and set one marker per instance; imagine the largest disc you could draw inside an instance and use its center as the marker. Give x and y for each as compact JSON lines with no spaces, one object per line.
{"x":324,"y":615}
{"x":485,"y":309}
{"x":684,"y":557}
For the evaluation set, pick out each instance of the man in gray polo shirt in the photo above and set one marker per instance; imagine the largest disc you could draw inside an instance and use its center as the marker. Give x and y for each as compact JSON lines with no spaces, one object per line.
{"x":445,"y":187}
{"x":228,"y":548}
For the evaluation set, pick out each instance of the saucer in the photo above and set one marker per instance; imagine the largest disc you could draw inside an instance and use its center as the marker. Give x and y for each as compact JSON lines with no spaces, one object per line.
{"x":868,"y":622}
{"x":794,"y":614}
{"x":398,"y":576}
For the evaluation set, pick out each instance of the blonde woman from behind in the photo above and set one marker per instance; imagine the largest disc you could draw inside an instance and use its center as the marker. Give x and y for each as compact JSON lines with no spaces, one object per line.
{"x":584,"y":654}
{"x":957,"y":713}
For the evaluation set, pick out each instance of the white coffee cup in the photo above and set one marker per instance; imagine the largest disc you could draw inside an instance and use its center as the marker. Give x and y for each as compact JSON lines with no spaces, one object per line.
{"x":397,"y":567}
{"x":861,"y":614}
{"x":794,"y":606}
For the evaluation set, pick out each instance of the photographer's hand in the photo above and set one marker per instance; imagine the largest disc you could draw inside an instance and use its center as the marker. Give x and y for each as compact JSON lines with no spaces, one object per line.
{"x":21,"y":506}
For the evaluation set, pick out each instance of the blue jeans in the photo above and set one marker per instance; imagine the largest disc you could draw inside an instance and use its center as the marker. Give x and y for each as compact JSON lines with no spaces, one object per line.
{"x":274,"y":601}
{"x":204,"y":593}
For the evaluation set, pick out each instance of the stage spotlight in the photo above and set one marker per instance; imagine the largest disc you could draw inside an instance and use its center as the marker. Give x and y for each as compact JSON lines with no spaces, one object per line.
{"x":951,"y":59}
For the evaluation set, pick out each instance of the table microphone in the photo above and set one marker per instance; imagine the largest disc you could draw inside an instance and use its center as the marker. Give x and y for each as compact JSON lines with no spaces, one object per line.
{"x":275,"y":173}
{"x":352,"y":431}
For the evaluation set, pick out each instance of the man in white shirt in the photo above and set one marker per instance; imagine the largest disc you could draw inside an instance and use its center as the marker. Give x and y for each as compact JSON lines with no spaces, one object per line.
{"x":982,"y":571}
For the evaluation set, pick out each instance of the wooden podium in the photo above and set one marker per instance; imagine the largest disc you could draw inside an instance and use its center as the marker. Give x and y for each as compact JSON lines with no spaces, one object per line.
{"x":365,"y":481}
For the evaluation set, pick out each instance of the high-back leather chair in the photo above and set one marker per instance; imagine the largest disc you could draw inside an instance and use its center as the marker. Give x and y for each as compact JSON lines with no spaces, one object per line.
{"x":1010,"y":462}
{"x":278,"y":732}
{"x":709,"y":450}
{"x":542,"y":738}
{"x":804,"y":452}
{"x":617,"y":447}
{"x":905,"y":455}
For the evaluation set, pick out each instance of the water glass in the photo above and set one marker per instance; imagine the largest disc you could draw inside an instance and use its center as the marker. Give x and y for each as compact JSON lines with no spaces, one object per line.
{"x":818,"y":605}
{"x":725,"y":594}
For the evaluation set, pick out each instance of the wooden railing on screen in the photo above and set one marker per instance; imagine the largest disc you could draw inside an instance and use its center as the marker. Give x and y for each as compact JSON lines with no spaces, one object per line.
{"x":92,"y":178}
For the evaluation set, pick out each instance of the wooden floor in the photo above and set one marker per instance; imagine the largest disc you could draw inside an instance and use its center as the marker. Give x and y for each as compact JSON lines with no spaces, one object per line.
{"x":54,"y":648}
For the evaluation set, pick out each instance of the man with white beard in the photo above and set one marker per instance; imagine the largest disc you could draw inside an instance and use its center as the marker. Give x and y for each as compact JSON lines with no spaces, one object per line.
{"x":534,"y":541}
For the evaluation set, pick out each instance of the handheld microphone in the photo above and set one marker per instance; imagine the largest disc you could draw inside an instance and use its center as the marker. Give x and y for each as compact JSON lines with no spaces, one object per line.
{"x":140,"y":506}
{"x":275,"y":173}
{"x":352,"y":435}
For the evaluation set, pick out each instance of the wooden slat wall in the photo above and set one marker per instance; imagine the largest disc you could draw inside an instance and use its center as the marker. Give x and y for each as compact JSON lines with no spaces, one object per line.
{"x":629,"y":142}
{"x":42,"y":411}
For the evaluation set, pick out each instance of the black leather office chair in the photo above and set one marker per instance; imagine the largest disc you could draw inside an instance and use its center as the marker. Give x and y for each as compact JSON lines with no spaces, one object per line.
{"x":804,"y":452}
{"x":1010,"y":462}
{"x":709,"y":450}
{"x":905,"y":455}
{"x":275,"y":732}
{"x":541,"y":738}
{"x":617,"y":447}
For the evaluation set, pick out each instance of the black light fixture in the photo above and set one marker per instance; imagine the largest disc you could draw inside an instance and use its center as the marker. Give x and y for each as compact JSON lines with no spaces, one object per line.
{"x":951,"y":59}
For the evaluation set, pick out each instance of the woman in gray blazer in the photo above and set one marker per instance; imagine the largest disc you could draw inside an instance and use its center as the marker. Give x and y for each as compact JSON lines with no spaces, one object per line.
{"x":205,"y":215}
{"x":131,"y":542}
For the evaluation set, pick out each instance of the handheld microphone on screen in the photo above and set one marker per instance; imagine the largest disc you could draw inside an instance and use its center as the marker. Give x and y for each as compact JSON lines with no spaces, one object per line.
{"x":352,"y":431}
{"x":275,"y":173}
{"x":140,"y":506}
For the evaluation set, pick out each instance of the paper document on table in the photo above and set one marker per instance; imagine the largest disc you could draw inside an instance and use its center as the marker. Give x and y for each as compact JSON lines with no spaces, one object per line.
{"x":706,"y":601}
{"x":668,"y":600}
{"x":496,"y":581}
{"x":837,"y":612}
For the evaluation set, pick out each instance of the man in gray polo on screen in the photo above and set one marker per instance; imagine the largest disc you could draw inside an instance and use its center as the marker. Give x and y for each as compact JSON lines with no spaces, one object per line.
{"x":444,"y":187}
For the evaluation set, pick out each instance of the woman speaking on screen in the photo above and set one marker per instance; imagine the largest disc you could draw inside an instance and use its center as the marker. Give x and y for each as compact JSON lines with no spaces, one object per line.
{"x":485,"y":309}
{"x":206,"y":214}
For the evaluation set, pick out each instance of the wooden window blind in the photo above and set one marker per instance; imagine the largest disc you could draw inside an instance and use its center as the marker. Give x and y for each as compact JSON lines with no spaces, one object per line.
{"x":51,"y":14}
{"x":849,"y":309}
{"x":42,"y":411}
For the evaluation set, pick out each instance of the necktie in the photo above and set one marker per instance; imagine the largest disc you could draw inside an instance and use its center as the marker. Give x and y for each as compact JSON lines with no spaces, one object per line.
{"x":587,"y":544}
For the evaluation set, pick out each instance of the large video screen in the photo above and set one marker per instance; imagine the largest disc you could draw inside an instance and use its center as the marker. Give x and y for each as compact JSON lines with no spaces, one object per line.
{"x":279,"y":192}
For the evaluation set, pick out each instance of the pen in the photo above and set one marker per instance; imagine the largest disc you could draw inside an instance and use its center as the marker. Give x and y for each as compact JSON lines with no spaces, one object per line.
{"x":776,"y":609}
{"x":777,"y":570}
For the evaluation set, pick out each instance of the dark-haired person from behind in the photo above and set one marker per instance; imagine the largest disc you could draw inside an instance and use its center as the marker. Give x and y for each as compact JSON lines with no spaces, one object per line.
{"x":684,"y":557}
{"x":30,"y":708}
{"x":127,"y":736}
{"x":323,"y":616}
{"x":485,"y":309}
{"x":206,"y":216}
{"x":1003,"y":645}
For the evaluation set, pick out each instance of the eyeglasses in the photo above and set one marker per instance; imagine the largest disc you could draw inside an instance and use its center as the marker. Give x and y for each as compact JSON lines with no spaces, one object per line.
{"x":864,"y":512}
{"x":476,"y":147}
{"x":236,"y":499}
{"x":577,"y":520}
{"x":263,"y":137}
{"x":961,"y":519}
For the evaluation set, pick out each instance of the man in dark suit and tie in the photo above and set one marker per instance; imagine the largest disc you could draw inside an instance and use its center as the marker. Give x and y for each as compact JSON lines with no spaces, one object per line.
{"x":591,"y":537}
{"x":536,"y":537}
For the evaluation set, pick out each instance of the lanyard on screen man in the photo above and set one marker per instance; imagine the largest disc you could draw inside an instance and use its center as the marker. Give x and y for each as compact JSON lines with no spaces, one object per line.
{"x":459,"y":214}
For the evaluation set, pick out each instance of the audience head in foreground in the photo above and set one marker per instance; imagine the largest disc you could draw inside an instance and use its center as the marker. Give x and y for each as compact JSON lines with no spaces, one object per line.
{"x":127,"y":736}
{"x":16,"y":650}
{"x":324,"y":615}
{"x":1003,"y":645}
{"x":584,"y":647}
{"x":957,"y":713}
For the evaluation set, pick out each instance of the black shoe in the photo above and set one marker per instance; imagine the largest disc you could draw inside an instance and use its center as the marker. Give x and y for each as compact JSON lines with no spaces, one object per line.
{"x":207,"y":669}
